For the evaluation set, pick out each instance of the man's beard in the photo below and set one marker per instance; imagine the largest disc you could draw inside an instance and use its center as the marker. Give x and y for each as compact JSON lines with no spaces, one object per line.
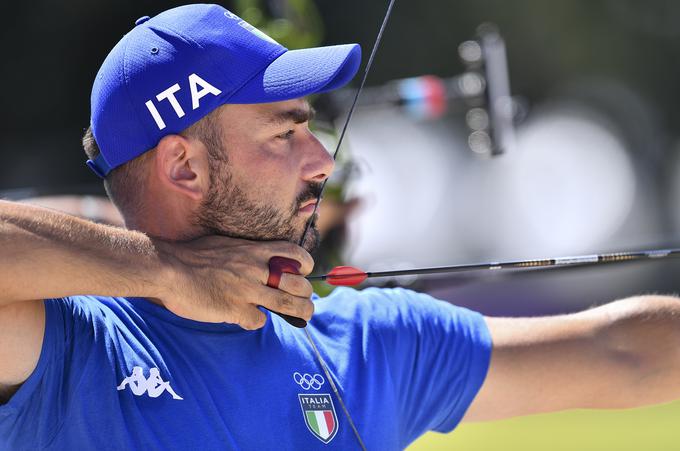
{"x":227,"y":210}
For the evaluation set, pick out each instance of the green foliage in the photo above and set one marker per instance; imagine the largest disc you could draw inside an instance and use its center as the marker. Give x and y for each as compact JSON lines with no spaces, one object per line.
{"x":295,"y":23}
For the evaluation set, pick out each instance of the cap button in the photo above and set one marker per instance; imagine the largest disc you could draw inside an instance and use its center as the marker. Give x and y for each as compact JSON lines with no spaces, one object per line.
{"x":141,"y":20}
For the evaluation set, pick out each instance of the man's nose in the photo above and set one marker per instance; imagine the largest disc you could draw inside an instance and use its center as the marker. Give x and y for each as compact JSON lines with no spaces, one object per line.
{"x":319,"y":162}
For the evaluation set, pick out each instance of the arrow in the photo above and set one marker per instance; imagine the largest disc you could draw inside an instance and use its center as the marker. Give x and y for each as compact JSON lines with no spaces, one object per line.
{"x":350,"y":276}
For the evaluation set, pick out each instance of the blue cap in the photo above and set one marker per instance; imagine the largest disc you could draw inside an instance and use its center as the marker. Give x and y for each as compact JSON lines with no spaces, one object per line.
{"x":173,"y":69}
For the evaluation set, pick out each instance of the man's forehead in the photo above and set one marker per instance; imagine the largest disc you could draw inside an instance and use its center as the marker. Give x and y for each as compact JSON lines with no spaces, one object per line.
{"x":297,"y":110}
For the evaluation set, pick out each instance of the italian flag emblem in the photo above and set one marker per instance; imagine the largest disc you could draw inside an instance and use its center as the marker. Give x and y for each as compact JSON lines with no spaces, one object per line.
{"x":319,"y":414}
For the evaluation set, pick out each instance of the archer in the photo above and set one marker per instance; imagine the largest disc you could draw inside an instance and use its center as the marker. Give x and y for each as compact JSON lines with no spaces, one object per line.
{"x":208,"y":200}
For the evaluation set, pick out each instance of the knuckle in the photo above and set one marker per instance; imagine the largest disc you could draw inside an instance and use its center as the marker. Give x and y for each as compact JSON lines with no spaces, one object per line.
{"x":296,"y":252}
{"x":300,"y":307}
{"x":286,"y":301}
{"x":307,"y":264}
{"x":248,"y":326}
{"x":303,"y":255}
{"x":308,"y":257}
{"x":257,"y":321}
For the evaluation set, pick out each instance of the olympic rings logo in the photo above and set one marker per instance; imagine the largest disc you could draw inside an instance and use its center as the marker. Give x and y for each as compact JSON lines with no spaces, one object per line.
{"x":307,"y":381}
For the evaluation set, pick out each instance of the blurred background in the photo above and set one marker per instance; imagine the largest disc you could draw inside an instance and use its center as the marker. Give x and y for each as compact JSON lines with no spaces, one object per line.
{"x":489,"y":130}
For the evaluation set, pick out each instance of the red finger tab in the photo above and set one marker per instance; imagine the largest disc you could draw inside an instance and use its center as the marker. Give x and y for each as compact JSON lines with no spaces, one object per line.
{"x":278,"y":266}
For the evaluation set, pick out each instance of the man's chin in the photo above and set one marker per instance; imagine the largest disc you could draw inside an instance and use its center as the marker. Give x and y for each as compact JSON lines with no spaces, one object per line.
{"x":312,"y":240}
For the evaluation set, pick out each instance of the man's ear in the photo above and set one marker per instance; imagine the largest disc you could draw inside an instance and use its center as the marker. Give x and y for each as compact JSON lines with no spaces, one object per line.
{"x":181,"y":165}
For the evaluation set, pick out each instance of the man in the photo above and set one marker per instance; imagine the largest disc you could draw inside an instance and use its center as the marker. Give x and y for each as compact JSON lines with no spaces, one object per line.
{"x":201,"y":132}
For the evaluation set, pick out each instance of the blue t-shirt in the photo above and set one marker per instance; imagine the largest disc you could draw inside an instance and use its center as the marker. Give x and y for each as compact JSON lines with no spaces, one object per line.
{"x":124,"y":373}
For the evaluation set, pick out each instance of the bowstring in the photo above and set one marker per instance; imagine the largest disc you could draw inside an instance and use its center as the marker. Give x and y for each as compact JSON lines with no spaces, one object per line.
{"x":369,"y":64}
{"x":311,"y":220}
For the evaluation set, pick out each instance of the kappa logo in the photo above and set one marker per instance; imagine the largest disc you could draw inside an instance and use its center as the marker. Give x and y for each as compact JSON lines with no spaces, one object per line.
{"x":307,"y":381}
{"x":154,"y":386}
{"x":319,"y":413}
{"x":195,"y":82}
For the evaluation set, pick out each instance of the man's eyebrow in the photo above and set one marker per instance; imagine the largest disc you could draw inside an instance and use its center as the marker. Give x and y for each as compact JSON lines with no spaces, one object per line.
{"x":296,"y":115}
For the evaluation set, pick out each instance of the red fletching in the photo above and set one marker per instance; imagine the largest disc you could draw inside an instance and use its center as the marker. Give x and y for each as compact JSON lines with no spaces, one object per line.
{"x":345,"y":276}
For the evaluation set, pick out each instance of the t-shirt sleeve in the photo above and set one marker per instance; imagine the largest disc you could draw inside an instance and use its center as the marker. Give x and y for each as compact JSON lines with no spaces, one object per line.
{"x":437,"y":354}
{"x":38,"y":408}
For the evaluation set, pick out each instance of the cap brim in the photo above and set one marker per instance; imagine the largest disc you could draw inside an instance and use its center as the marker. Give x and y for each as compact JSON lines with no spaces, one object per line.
{"x":298,"y":73}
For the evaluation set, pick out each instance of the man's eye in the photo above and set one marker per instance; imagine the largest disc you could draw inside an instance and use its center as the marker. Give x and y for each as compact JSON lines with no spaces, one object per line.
{"x":286,"y":135}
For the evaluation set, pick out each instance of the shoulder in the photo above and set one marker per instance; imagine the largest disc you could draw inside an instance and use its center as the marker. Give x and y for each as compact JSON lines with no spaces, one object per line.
{"x":86,"y":307}
{"x":346,"y":302}
{"x":389,"y":307}
{"x":75,"y":314}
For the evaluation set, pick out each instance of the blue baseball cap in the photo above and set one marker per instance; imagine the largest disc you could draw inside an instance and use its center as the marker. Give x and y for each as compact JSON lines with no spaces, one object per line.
{"x":171,"y":70}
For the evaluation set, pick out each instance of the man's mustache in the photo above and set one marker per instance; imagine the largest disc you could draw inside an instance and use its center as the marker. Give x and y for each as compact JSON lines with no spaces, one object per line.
{"x":312,"y":192}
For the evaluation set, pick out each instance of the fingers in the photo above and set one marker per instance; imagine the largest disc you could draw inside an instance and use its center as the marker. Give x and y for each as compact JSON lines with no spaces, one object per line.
{"x":224,"y":279}
{"x":292,"y":251}
{"x":262,"y":250}
{"x":247,"y":315}
{"x":252,"y":318}
{"x":282,"y":302}
{"x":296,"y":285}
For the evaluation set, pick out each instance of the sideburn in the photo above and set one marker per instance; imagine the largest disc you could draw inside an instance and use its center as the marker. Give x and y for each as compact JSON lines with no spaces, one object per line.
{"x":228,"y":211}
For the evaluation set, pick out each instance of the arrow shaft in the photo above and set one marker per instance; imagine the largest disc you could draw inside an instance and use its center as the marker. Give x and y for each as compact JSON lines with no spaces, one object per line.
{"x":520,"y":264}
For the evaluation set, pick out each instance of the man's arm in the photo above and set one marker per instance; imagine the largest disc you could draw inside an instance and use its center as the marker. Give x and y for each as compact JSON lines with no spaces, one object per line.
{"x":46,"y":254}
{"x":624,"y":354}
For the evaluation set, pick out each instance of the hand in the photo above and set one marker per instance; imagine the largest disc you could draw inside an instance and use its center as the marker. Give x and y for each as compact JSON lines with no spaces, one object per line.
{"x":221,"y":279}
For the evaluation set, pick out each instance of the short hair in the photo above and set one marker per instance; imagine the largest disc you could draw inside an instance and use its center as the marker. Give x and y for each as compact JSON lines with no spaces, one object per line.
{"x":125,"y":183}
